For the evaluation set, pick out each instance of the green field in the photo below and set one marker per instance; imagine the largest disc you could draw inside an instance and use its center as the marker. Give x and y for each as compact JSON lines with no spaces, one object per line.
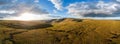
{"x":62,"y":31}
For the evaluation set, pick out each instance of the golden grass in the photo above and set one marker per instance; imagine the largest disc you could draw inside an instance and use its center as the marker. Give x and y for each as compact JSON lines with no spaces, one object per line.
{"x":67,"y":31}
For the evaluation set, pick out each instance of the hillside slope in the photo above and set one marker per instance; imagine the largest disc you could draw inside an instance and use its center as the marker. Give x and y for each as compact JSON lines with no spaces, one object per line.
{"x":64,"y":31}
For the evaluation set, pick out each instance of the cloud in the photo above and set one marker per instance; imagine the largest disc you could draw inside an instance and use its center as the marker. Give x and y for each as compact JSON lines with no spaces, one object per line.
{"x":118,"y":0}
{"x":90,"y":9}
{"x":36,"y":1}
{"x":14,"y":1}
{"x":7,"y":12}
{"x":38,"y":10}
{"x":55,"y":11}
{"x":2,"y":2}
{"x":57,"y":4}
{"x":11,"y":11}
{"x":30,"y":17}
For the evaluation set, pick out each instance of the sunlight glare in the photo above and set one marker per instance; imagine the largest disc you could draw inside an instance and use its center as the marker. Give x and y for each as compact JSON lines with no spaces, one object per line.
{"x":25,"y":17}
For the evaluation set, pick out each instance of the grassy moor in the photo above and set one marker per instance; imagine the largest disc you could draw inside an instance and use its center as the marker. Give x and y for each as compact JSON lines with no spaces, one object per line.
{"x":60,"y":31}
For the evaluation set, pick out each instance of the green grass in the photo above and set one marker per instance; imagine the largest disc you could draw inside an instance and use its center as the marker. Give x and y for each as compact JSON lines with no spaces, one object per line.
{"x":65,"y":31}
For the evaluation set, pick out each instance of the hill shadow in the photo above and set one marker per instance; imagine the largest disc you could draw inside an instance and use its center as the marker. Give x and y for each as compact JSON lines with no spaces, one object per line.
{"x":24,"y":26}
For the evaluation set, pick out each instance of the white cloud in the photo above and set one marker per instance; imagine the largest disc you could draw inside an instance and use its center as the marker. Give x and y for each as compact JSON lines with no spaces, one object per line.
{"x":7,"y":12}
{"x":57,"y":4}
{"x":83,"y":8}
{"x":14,"y":1}
{"x":36,"y":1}
{"x":118,"y":0}
{"x":55,"y":11}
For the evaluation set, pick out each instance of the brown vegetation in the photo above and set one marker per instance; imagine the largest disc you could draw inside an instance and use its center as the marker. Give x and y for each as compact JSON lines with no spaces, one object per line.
{"x":65,"y":31}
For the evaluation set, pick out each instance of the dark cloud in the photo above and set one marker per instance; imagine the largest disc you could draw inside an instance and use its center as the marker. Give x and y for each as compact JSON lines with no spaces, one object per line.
{"x":98,"y":9}
{"x":38,"y":10}
{"x":2,"y":2}
{"x":97,"y":15}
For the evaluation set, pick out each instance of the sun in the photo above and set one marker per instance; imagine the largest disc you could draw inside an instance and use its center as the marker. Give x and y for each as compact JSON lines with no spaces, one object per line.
{"x":25,"y":17}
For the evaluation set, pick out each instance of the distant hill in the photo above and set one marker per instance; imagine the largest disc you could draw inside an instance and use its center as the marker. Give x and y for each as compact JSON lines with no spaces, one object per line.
{"x":25,"y":24}
{"x":60,"y":31}
{"x":34,"y":24}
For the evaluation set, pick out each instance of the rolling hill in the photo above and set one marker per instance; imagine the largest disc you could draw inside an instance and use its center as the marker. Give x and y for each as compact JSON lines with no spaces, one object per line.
{"x":60,"y":31}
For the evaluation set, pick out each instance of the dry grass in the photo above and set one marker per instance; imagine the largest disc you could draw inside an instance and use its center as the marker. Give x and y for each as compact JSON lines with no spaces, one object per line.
{"x":66,"y":31}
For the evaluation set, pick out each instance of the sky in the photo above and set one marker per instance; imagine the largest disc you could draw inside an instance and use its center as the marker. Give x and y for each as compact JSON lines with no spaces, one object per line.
{"x":53,"y":9}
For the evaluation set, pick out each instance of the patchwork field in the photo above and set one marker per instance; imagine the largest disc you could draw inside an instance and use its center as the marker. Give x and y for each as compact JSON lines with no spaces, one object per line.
{"x":60,"y":31}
